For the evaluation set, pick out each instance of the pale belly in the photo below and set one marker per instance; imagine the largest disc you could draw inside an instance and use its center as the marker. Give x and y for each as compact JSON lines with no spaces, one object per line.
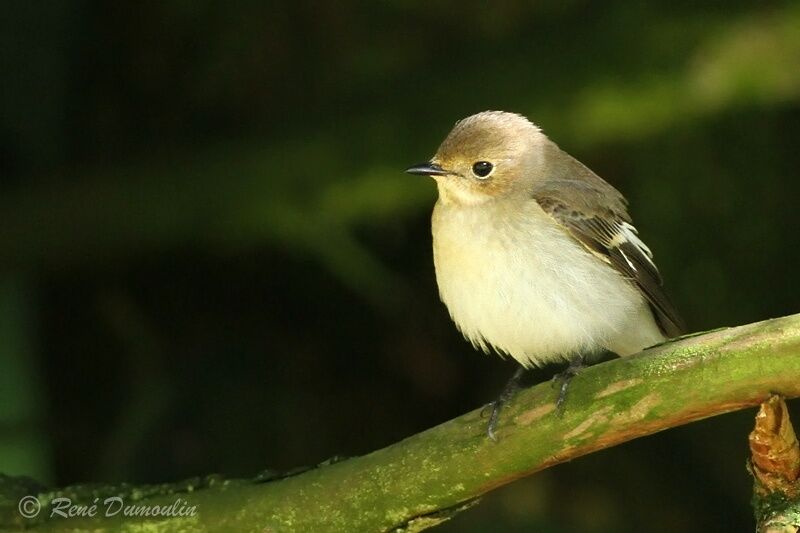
{"x":529,"y":290}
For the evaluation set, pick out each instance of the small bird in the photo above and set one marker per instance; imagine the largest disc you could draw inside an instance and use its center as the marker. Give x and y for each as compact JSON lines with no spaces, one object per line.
{"x":536,"y":256}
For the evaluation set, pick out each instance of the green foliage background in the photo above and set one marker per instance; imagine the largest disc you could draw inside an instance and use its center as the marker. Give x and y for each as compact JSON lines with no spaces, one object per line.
{"x":210,"y":259}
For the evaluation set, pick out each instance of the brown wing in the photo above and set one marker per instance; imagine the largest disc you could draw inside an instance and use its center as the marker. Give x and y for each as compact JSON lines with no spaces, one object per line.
{"x":595,"y":214}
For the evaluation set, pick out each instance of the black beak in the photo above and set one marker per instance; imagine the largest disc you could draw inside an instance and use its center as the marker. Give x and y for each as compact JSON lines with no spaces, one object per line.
{"x":427,"y":169}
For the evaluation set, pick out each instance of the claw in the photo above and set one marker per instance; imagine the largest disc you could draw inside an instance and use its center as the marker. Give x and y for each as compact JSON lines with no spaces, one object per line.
{"x":562,"y":396}
{"x":493,"y":418}
{"x":509,"y":390}
{"x":565,"y":378}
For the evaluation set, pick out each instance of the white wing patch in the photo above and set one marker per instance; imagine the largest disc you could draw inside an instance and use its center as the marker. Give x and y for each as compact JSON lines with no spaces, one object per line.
{"x":627,"y":260}
{"x":628,"y":233}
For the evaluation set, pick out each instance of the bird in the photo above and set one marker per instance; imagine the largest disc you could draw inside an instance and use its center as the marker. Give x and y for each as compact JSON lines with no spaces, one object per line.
{"x":536,"y":256}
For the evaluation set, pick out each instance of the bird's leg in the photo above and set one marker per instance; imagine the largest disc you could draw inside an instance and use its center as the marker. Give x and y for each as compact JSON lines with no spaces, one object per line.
{"x":508,"y":392}
{"x":564,"y":378}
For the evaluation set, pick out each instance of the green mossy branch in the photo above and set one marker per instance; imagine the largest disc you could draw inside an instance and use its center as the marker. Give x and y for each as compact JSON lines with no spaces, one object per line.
{"x":424,"y":479}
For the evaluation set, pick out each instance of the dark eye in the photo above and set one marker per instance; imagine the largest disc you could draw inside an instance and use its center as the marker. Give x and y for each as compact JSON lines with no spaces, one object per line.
{"x":482,"y":169}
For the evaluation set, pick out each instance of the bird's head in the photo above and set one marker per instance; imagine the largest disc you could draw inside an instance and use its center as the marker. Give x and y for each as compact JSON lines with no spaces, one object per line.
{"x":486,"y":156}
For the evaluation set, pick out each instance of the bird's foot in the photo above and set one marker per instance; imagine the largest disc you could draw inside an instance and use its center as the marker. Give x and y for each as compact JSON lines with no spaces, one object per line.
{"x":496,"y":406}
{"x":563,"y":379}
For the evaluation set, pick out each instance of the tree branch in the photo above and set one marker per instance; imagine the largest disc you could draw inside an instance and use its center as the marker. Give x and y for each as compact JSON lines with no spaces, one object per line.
{"x":422,"y":480}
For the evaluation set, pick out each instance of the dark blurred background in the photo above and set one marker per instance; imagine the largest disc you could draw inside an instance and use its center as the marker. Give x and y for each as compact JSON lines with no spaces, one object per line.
{"x":211,"y":260}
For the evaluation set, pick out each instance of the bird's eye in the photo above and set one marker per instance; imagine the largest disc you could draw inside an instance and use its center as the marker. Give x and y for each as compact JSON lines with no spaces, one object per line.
{"x":482,"y":169}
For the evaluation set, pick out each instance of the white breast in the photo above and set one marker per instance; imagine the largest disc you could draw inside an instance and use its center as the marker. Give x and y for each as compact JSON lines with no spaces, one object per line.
{"x":522,"y":285}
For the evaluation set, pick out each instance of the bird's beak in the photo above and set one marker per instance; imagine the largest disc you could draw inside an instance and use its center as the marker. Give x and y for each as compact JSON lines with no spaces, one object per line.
{"x":427,"y":169}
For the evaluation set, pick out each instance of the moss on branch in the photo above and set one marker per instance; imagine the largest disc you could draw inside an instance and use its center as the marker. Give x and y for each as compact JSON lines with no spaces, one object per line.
{"x":423,"y":479}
